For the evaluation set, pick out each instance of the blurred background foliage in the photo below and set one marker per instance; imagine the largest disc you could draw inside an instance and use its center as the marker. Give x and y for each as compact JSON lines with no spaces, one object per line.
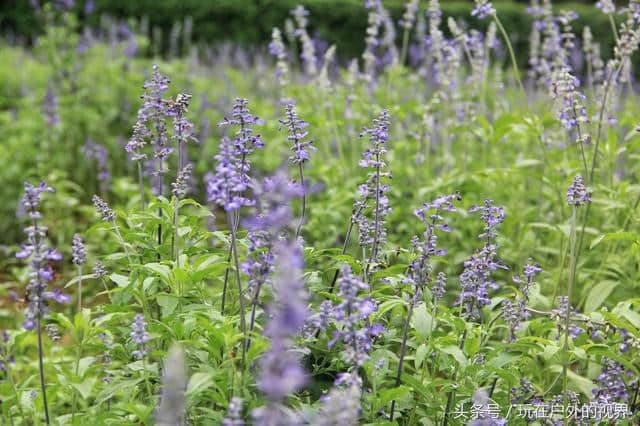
{"x":249,"y":22}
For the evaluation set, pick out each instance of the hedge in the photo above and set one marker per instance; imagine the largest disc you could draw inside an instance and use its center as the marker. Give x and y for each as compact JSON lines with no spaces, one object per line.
{"x":250,"y":21}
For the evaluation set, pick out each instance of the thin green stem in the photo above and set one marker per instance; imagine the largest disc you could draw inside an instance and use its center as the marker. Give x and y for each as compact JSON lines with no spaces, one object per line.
{"x":41,"y":368}
{"x":79,"y":288}
{"x":514,"y":63}
{"x":565,"y":349}
{"x":304,"y":200}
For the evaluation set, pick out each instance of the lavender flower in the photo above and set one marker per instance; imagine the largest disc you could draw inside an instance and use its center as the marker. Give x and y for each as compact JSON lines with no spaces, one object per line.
{"x":78,"y":252}
{"x":139,"y":336}
{"x":171,"y":408}
{"x":483,"y":9}
{"x":100,"y":155}
{"x":227,"y":185}
{"x":511,"y":317}
{"x":278,"y":49}
{"x":234,"y":413}
{"x":571,"y":110}
{"x":439,"y":288}
{"x":577,"y":193}
{"x":373,"y":190}
{"x":39,"y":254}
{"x":50,"y":107}
{"x":272,"y":222}
{"x":307,"y":52}
{"x":481,"y":403}
{"x":420,"y":269}
{"x":301,"y":148}
{"x":561,"y":313}
{"x":280,"y":371}
{"x":341,"y":406}
{"x":525,"y":281}
{"x":353,"y":313}
{"x":475,"y":279}
{"x":181,"y":185}
{"x":183,"y":129}
{"x":606,"y":6}
{"x":409,"y":17}
{"x":99,"y":270}
{"x":154,"y":111}
{"x":245,"y":141}
{"x":611,"y":386}
{"x":103,"y":209}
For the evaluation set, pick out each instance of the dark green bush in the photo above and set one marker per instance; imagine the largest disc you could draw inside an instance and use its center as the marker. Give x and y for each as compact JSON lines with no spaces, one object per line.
{"x":251,"y":21}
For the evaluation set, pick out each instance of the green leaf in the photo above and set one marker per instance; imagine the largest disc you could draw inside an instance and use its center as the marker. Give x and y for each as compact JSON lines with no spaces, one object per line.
{"x":456,"y":353}
{"x":421,"y":354}
{"x":422,"y":321}
{"x":160,"y":269}
{"x":199,"y":382}
{"x":599,"y":294}
{"x":84,"y":388}
{"x":167,"y":302}
{"x":388,"y":395}
{"x":120,"y":280}
{"x":624,"y":236}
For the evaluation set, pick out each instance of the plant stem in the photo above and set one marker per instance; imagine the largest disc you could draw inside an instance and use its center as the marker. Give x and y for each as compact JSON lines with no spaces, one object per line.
{"x":141,"y":186}
{"x":345,"y":244}
{"x":41,"y":367}
{"x":403,"y":349}
{"x":79,"y":288}
{"x":304,"y":201}
{"x":226,"y":279}
{"x":254,"y":307}
{"x":565,"y":349}
{"x":124,"y":246}
{"x":445,"y":421}
{"x":514,"y":63}
{"x":243,"y":325}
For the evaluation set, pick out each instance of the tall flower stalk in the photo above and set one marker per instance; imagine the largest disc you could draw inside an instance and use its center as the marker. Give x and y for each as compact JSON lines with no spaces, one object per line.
{"x":226,"y":189}
{"x":577,"y":195}
{"x":420,"y":270}
{"x":108,"y":215}
{"x":273,"y":223}
{"x":372,"y":230}
{"x":183,"y":133}
{"x":79,"y":258}
{"x":41,"y":273}
{"x":280,"y":371}
{"x":301,"y":150}
{"x":245,"y":142}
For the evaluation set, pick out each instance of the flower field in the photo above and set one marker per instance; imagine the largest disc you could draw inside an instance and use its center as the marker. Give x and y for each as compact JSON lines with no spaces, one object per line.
{"x":425,"y":234}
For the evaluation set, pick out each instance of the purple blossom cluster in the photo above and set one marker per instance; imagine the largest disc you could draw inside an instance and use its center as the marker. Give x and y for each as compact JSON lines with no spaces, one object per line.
{"x":295,"y":126}
{"x":280,"y":372}
{"x":139,"y":336}
{"x":420,"y":269}
{"x":39,"y":255}
{"x":272,"y":223}
{"x":571,"y":110}
{"x":353,"y":312}
{"x":610,"y":384}
{"x":226,"y":187}
{"x":98,"y":153}
{"x":341,"y":406}
{"x":577,"y":193}
{"x":78,"y":252}
{"x":560,"y":313}
{"x":475,"y":279}
{"x":245,"y":140}
{"x":483,"y":9}
{"x":371,"y":218}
